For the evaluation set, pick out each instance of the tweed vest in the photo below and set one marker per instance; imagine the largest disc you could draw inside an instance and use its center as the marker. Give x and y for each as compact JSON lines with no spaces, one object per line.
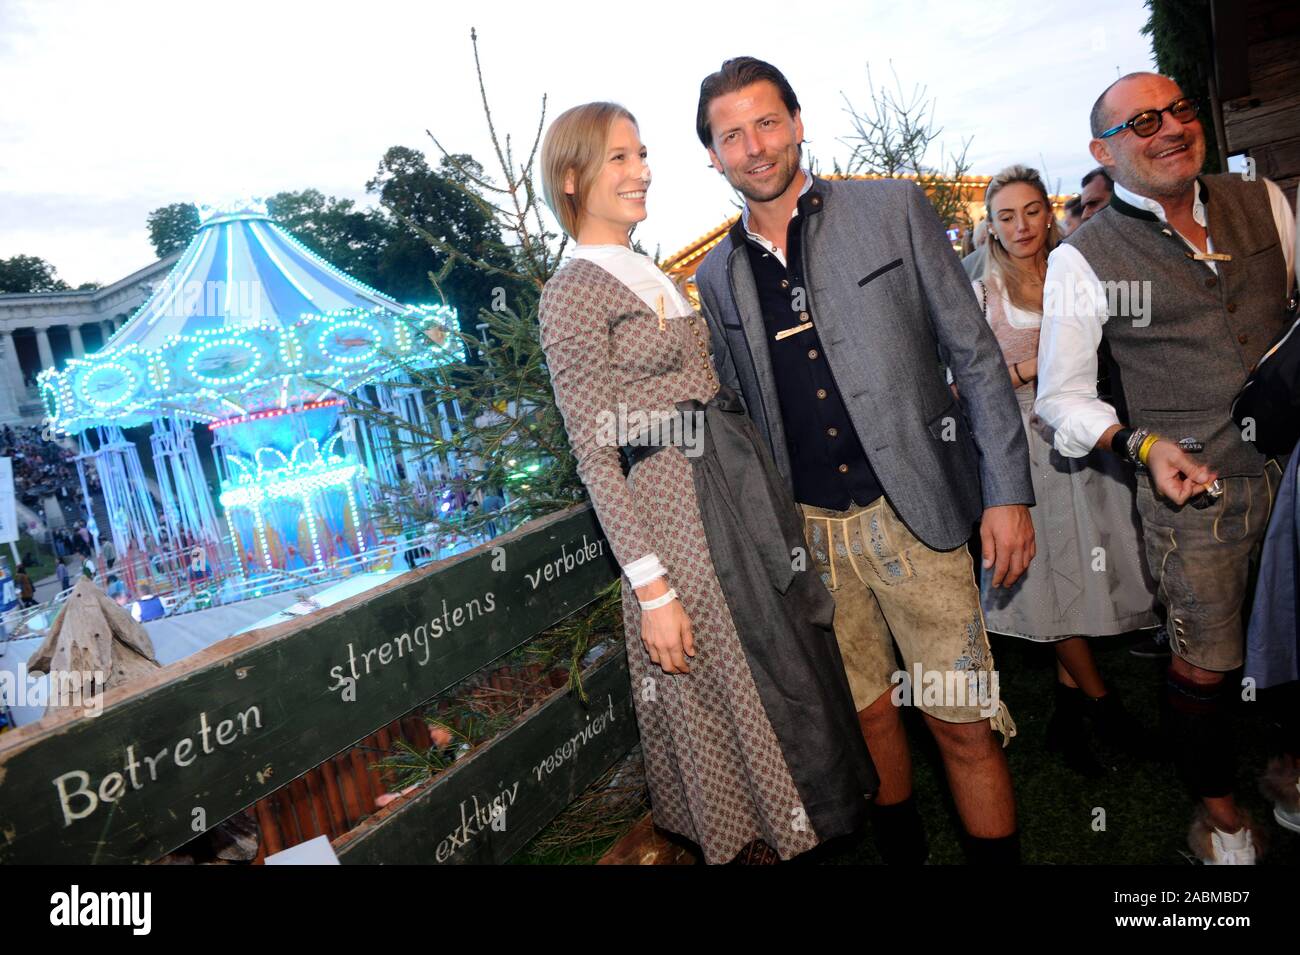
{"x":1185,"y":347}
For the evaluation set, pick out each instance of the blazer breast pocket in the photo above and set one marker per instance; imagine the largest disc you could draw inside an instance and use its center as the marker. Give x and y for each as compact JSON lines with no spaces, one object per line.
{"x":871,"y":276}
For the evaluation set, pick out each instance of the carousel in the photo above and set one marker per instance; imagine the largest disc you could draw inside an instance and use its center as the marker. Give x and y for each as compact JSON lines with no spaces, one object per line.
{"x":272,"y":349}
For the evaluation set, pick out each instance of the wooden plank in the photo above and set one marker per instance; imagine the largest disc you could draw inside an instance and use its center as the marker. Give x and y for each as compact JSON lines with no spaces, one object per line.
{"x":207,"y":736}
{"x":1230,"y":44}
{"x":534,"y":769}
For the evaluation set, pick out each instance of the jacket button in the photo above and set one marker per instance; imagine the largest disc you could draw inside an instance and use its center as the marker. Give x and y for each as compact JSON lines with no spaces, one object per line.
{"x":844,"y":469}
{"x":833,"y":432}
{"x":816,"y":200}
{"x":1242,"y":339}
{"x":1232,"y":306}
{"x":812,"y":353}
{"x":803,"y":317}
{"x":821,"y":392}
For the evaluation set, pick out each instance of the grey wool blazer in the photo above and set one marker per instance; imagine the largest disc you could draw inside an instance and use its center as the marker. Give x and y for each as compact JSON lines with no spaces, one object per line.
{"x":892,"y":306}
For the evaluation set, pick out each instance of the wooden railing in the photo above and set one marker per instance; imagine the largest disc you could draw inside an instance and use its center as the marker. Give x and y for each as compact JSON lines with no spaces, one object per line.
{"x":175,"y":753}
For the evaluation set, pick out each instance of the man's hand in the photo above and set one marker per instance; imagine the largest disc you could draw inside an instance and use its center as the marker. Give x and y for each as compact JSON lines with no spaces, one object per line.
{"x":1175,"y":473}
{"x":1007,"y":542}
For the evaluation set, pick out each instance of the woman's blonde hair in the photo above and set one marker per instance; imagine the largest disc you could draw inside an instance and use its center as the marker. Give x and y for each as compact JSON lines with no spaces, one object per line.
{"x":576,"y":143}
{"x":997,"y":260}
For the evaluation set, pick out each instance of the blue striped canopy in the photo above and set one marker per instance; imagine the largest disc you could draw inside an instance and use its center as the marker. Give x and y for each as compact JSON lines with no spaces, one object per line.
{"x":248,"y":319}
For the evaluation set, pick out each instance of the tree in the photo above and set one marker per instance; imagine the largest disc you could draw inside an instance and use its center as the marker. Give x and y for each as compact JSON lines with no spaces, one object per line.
{"x":896,"y":135}
{"x":29,"y":273}
{"x":348,"y":237}
{"x":427,"y":206}
{"x":511,"y":435}
{"x":489,"y":233}
{"x":171,"y":227}
{"x":1181,"y":43}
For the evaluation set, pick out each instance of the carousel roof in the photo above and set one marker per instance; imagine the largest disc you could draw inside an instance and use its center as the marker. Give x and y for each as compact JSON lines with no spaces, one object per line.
{"x":248,"y":319}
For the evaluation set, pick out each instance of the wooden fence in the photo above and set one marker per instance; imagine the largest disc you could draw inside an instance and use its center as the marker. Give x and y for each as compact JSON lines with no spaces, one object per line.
{"x":172,"y":755}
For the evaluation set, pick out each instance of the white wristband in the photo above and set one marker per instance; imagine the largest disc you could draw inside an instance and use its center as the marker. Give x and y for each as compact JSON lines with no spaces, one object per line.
{"x":659,"y":601}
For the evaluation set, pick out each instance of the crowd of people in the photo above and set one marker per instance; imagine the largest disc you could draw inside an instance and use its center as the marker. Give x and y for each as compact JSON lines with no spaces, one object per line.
{"x":42,"y":468}
{"x":1064,"y":407}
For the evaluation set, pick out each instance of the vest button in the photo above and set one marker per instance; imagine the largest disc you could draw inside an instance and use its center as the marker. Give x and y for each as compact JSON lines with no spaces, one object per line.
{"x":816,"y":201}
{"x":785,"y":283}
{"x":1232,"y":306}
{"x":1211,"y":282}
{"x":821,"y":392}
{"x":812,"y":353}
{"x":1242,"y":339}
{"x":844,"y":469}
{"x":833,"y":432}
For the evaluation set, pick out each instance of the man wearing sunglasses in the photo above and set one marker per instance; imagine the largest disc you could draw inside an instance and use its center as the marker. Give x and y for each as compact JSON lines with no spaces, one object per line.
{"x":1187,"y":278}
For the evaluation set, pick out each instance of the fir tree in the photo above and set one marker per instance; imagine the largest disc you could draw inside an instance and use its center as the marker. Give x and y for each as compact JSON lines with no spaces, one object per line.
{"x":510,"y":436}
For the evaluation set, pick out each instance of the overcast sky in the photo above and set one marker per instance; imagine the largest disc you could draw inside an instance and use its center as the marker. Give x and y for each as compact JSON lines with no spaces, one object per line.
{"x":111,"y":109}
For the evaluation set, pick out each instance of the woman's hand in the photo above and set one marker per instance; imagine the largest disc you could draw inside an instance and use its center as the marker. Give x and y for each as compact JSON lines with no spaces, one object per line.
{"x":666,"y":631}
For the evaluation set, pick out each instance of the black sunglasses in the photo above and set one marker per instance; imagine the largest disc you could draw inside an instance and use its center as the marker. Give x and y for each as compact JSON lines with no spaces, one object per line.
{"x":1148,"y":122}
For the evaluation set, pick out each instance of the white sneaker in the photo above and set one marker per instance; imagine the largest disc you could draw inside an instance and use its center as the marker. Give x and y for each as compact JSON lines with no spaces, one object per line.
{"x":1288,"y":818}
{"x":1231,"y":848}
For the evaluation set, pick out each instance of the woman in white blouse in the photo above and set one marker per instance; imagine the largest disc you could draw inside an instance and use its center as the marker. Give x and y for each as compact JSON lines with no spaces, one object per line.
{"x":1089,"y":578}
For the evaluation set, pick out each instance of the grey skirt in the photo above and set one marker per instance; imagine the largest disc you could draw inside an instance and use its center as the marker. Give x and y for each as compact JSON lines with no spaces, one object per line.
{"x":1089,"y":576}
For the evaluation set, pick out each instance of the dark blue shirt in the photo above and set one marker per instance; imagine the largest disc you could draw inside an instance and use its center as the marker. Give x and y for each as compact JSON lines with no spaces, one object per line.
{"x":829,"y":466}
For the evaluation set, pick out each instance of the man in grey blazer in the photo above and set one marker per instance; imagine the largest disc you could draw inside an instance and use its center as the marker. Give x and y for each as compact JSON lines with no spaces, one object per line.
{"x":835,"y":308}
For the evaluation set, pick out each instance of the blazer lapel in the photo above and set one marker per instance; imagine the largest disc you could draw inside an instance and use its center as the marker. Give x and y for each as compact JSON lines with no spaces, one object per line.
{"x":751,"y":319}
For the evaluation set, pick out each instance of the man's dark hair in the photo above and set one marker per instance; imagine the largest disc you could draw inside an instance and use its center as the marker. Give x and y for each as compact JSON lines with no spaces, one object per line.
{"x":1074,"y":205}
{"x":1099,"y":171}
{"x":735,"y":74}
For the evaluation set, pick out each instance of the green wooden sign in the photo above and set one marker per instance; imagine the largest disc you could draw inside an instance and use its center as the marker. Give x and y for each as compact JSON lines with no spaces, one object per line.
{"x":488,"y":805}
{"x":175,"y":754}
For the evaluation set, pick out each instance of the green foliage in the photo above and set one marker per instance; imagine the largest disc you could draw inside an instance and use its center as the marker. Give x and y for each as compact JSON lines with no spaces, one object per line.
{"x":171,"y":227}
{"x":487,"y":237}
{"x":420,"y":203}
{"x":1181,"y":41}
{"x":29,"y":273}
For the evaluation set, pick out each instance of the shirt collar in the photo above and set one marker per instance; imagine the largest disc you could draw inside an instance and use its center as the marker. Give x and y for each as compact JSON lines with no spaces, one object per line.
{"x":744,"y":214}
{"x":1156,"y":209}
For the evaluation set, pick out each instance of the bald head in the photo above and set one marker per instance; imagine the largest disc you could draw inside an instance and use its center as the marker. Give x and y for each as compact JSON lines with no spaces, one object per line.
{"x":1103,"y":113}
{"x":1160,"y":165}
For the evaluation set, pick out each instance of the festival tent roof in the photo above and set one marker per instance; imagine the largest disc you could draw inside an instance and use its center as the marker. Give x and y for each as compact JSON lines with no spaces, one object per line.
{"x":249,"y":319}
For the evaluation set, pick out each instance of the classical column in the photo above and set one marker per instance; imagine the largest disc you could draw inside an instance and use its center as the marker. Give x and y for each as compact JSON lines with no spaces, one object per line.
{"x":108,"y":327}
{"x":43,"y":346}
{"x":78,"y":347}
{"x":16,"y":391}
